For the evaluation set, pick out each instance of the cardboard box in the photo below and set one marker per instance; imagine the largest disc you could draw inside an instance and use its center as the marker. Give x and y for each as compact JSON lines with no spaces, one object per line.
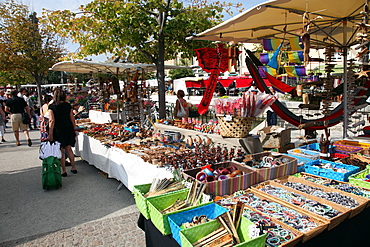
{"x":271,"y":137}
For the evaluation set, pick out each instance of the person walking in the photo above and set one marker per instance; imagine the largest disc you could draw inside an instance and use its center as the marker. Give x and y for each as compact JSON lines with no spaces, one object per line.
{"x":16,"y":106}
{"x":2,"y":120}
{"x":31,"y":105}
{"x":182,"y":107}
{"x":44,"y":118}
{"x":62,"y":128}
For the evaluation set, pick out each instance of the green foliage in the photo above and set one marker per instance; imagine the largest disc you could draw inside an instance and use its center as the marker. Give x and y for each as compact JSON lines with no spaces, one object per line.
{"x":132,"y":28}
{"x":26,"y":50}
{"x":180,"y":73}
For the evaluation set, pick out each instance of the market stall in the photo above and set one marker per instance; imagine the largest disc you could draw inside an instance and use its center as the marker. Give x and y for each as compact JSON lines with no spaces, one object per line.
{"x":101,"y":117}
{"x":127,"y":168}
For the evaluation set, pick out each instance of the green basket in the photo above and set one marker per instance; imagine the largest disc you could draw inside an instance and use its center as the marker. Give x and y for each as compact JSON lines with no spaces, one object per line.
{"x":141,"y":202}
{"x":158,"y":203}
{"x":357,"y":178}
{"x":191,"y":235}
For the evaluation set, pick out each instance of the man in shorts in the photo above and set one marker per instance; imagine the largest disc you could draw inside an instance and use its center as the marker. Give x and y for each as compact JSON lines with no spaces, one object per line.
{"x":16,"y":106}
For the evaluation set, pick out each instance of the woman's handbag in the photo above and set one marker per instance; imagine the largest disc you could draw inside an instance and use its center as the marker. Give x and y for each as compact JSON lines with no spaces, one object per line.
{"x":181,"y":112}
{"x":48,"y":149}
{"x":25,"y":118}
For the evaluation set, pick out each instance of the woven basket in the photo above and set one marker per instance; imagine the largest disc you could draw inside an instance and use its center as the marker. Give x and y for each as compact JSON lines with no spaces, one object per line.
{"x":239,"y":127}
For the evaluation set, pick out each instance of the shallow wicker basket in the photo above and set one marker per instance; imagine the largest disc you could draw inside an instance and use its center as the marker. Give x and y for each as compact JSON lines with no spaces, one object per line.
{"x":238,"y":127}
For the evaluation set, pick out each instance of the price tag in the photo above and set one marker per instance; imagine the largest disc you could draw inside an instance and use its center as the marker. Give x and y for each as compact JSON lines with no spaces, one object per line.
{"x":228,"y":118}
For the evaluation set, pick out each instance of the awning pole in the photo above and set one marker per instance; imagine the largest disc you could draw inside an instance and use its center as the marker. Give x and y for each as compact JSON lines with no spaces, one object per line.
{"x":345,"y":82}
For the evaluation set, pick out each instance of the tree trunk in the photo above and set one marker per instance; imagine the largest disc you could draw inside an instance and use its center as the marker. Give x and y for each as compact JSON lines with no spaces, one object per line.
{"x":39,"y":95}
{"x":161,"y":77}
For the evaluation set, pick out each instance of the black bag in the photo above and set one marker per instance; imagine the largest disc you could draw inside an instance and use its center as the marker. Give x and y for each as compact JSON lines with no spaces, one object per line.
{"x":25,"y":118}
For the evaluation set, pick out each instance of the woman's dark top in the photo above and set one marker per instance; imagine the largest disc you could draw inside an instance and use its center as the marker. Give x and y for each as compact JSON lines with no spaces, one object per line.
{"x":63,"y":127}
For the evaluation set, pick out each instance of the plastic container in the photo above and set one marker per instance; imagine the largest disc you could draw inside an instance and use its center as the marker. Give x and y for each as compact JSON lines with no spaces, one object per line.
{"x":191,"y":235}
{"x":308,"y":154}
{"x":300,"y":160}
{"x":358,"y":179}
{"x":212,"y":211}
{"x":330,"y":173}
{"x":159,"y":203}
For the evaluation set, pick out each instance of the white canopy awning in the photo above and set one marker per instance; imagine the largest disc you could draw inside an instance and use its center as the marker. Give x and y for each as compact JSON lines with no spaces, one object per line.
{"x":82,"y":66}
{"x":268,"y":20}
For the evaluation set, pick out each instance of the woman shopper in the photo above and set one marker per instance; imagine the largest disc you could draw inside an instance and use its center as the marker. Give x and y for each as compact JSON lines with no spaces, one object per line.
{"x":44,"y":118}
{"x":182,"y":107}
{"x":62,"y":128}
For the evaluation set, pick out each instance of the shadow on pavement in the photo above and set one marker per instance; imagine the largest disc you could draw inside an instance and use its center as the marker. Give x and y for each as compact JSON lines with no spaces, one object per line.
{"x":28,"y":210}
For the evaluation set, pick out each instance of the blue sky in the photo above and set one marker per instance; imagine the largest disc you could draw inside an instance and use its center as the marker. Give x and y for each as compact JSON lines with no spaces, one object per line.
{"x":38,"y":5}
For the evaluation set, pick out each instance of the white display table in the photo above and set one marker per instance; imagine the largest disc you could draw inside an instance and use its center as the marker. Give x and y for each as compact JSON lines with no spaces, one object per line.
{"x":100,"y":117}
{"x":127,"y":168}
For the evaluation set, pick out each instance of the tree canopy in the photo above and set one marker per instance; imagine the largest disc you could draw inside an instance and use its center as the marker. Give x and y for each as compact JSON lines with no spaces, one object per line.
{"x":26,"y":50}
{"x":148,"y":31}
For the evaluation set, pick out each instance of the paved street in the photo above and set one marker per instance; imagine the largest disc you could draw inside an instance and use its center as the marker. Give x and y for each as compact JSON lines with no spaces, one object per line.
{"x":87,"y":211}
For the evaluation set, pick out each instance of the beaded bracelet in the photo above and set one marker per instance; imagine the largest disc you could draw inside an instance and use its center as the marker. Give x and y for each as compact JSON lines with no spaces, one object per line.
{"x":336,"y":197}
{"x":344,"y":187}
{"x":289,"y":216}
{"x":274,"y":236}
{"x":301,"y":201}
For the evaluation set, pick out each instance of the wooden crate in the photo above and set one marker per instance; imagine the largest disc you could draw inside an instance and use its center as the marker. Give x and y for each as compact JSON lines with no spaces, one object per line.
{"x":322,"y":225}
{"x":353,"y":212}
{"x":333,"y":222}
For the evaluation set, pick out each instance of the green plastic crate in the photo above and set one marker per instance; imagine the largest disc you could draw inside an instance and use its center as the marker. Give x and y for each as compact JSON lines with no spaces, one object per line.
{"x":191,"y":235}
{"x":158,"y":203}
{"x":357,"y":178}
{"x":141,"y":202}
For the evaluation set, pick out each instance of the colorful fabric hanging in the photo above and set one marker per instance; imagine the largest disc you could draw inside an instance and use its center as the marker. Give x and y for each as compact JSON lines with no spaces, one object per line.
{"x":296,"y":43}
{"x":265,"y":57}
{"x":274,"y":63}
{"x":295,"y":71}
{"x":269,"y":70}
{"x":271,"y":44}
{"x":295,"y":56}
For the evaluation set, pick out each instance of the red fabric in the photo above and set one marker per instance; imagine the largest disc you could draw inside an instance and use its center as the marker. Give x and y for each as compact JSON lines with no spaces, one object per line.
{"x":281,"y":86}
{"x":197,"y":84}
{"x":213,"y":61}
{"x":240,"y":82}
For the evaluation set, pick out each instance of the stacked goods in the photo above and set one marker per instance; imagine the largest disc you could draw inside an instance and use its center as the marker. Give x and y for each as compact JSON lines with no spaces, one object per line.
{"x":160,"y":207}
{"x":349,"y":188}
{"x":223,"y":178}
{"x":361,"y":179}
{"x":277,"y":233}
{"x":193,"y":217}
{"x":327,"y":211}
{"x":270,"y":165}
{"x":249,"y":105}
{"x":309,"y":225}
{"x":356,"y":160}
{"x":304,"y":153}
{"x":158,"y":187}
{"x":302,"y":163}
{"x":240,"y":113}
{"x":223,"y":232}
{"x":353,"y":202}
{"x":332,"y":170}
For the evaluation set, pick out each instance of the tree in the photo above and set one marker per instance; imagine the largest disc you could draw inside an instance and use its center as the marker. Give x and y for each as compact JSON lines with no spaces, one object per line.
{"x":26,"y":49}
{"x":150,"y":31}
